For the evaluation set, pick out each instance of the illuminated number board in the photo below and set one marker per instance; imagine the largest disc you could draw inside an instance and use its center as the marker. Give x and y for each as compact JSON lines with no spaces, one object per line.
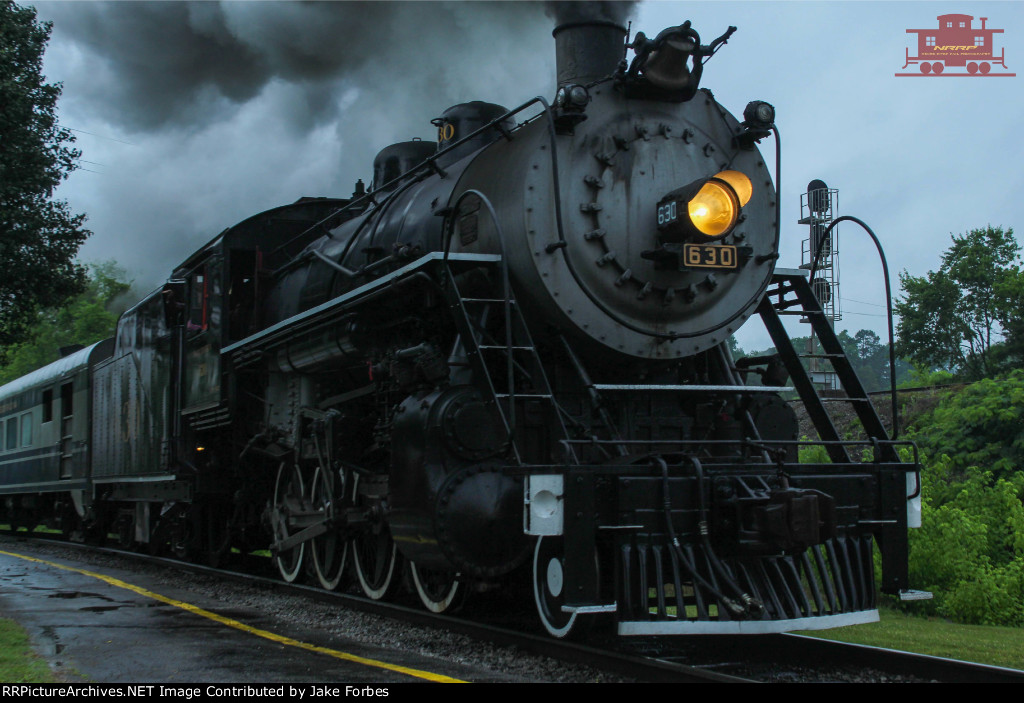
{"x":714,"y":256}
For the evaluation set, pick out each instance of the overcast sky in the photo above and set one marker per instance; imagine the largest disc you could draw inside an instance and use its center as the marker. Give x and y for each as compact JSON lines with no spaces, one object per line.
{"x":192,"y":117}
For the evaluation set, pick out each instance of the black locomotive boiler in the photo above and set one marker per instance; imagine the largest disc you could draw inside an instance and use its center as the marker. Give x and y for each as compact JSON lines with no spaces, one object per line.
{"x":509,"y":352}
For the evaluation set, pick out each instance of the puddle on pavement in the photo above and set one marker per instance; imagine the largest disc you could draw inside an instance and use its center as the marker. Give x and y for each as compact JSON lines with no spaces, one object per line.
{"x":104,"y":608}
{"x":79,"y":594}
{"x":48,"y":642}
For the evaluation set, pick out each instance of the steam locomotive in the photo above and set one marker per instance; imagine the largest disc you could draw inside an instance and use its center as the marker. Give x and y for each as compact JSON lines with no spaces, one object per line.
{"x":510,"y":349}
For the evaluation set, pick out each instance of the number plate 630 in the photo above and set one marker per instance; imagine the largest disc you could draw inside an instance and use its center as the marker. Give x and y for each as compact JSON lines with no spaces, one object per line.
{"x":717,"y":256}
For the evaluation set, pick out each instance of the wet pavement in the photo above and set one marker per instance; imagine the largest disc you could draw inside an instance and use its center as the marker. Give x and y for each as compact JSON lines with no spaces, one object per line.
{"x":93,"y":630}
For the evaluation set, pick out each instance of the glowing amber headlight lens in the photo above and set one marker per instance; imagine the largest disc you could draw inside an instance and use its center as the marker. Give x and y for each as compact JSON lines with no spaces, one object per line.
{"x":714,"y":209}
{"x":739,"y":182}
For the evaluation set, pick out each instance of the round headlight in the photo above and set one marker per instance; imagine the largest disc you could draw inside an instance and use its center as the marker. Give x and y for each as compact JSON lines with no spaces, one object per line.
{"x":714,"y":209}
{"x":739,"y":182}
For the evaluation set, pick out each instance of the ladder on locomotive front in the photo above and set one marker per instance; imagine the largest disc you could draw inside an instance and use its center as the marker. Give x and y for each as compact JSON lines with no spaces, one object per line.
{"x":509,"y":345}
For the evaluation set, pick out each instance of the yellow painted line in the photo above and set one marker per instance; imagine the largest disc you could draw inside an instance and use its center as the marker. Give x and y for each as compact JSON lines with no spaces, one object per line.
{"x":274,"y":637}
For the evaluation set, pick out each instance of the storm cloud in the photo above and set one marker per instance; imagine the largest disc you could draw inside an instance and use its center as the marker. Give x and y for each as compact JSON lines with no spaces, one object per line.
{"x":233,"y":107}
{"x":160,"y":65}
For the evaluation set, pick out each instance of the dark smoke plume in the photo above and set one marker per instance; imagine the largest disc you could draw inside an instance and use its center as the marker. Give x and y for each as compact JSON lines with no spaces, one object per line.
{"x":171,"y":64}
{"x":234,"y":107}
{"x":566,"y":11}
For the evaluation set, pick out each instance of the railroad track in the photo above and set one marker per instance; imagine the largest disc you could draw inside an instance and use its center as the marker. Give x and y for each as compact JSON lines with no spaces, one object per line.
{"x":794,"y":658}
{"x":895,"y":662}
{"x":768,"y":658}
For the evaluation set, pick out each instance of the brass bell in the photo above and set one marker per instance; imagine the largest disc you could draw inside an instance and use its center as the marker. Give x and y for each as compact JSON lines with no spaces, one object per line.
{"x":666,"y":68}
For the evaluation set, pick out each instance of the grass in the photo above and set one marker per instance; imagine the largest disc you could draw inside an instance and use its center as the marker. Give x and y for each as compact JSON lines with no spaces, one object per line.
{"x":4,"y":527}
{"x":18,"y":664}
{"x":984,"y":644}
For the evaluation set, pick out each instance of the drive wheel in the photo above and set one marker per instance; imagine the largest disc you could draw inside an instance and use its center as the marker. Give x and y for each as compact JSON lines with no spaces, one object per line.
{"x":289,"y":494}
{"x":439,"y":591}
{"x":549,"y":591}
{"x":374,"y":553}
{"x":330,"y":550}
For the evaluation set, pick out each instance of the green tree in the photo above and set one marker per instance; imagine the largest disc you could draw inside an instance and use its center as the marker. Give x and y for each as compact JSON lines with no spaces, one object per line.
{"x":979,"y":425}
{"x":735,"y":349}
{"x":89,"y":317}
{"x":1010,"y":294}
{"x":39,"y":237}
{"x":957,"y":317}
{"x":870,"y":358}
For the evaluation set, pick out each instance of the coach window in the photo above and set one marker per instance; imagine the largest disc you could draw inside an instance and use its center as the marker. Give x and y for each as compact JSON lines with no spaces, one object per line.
{"x":949,"y":25}
{"x":979,"y":41}
{"x":66,"y":397}
{"x":197,"y":309}
{"x":48,"y":405}
{"x":929,"y":41}
{"x":26,"y":430}
{"x":12,"y":433}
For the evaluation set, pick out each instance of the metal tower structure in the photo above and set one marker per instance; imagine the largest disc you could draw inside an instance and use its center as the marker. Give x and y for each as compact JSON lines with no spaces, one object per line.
{"x":817,"y":210}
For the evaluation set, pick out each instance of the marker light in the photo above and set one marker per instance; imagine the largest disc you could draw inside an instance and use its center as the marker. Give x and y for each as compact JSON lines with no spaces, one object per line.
{"x":759,"y":114}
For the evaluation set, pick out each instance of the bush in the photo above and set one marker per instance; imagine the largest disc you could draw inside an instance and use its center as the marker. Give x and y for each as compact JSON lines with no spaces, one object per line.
{"x":994,"y":596}
{"x":813,"y":453}
{"x":970,"y":549}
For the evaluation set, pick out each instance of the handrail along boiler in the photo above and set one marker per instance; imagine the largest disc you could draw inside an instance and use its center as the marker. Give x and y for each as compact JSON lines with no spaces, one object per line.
{"x":511,"y":349}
